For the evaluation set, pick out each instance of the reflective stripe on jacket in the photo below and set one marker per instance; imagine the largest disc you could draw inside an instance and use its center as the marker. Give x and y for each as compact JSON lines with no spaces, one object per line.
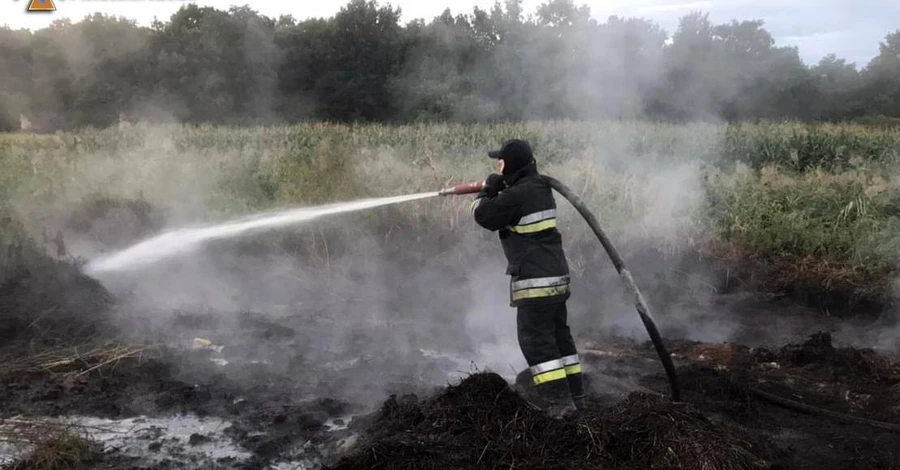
{"x":524,"y":215}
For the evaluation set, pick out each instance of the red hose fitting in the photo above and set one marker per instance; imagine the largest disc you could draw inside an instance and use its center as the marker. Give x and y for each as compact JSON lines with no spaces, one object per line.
{"x":465,"y":188}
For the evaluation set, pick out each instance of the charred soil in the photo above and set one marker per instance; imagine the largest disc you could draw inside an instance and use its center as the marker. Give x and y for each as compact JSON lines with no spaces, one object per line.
{"x":483,"y":423}
{"x":63,"y":357}
{"x":732,"y":382}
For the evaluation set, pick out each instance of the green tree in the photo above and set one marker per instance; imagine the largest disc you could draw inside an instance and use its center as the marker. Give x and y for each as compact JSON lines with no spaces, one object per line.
{"x":837,"y":84}
{"x":698,"y":78}
{"x":234,"y":66}
{"x":215,"y":66}
{"x":15,"y":86}
{"x":880,"y":92}
{"x":363,"y":51}
{"x":105,"y":57}
{"x":563,"y":14}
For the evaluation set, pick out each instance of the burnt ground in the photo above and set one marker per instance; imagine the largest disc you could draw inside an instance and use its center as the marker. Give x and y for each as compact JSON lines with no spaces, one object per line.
{"x":483,"y":423}
{"x":280,"y":388}
{"x":719,"y":379}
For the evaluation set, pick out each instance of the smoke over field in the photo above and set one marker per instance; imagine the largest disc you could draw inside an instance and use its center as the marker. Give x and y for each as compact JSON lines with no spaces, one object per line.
{"x":767,"y":251}
{"x":666,"y":194}
{"x":404,"y":298}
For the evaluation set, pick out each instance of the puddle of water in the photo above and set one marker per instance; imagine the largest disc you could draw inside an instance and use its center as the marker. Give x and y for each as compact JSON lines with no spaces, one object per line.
{"x":339,"y":423}
{"x":180,"y":437}
{"x":184,"y":438}
{"x":9,"y":453}
{"x":293,"y":466}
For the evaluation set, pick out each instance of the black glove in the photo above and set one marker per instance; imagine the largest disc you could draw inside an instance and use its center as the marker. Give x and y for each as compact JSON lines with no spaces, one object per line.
{"x":493,"y":185}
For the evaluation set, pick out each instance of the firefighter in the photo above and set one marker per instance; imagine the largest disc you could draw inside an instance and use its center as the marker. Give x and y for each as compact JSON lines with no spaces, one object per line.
{"x":518,"y":204}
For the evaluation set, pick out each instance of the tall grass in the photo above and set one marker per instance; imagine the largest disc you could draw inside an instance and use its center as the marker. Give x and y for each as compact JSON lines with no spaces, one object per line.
{"x":817,"y":202}
{"x":816,"y":230}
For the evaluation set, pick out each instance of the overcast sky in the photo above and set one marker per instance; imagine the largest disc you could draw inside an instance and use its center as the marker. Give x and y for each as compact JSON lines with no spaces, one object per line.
{"x":852,"y":29}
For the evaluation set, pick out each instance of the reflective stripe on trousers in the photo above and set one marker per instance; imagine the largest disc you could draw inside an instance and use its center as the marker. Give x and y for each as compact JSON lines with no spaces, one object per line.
{"x":539,"y":287}
{"x":572,"y":364}
{"x":556,"y":369}
{"x":536,"y":222}
{"x":548,"y":371}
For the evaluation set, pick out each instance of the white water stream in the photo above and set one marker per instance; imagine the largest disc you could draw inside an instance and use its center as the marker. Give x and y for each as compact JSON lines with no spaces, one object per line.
{"x":183,"y":240}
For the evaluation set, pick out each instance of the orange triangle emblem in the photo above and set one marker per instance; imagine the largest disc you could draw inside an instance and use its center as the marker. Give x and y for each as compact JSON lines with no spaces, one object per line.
{"x":41,"y":5}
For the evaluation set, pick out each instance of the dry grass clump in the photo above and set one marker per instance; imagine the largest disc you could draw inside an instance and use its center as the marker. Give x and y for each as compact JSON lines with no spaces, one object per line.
{"x":77,"y":361}
{"x":47,"y":445}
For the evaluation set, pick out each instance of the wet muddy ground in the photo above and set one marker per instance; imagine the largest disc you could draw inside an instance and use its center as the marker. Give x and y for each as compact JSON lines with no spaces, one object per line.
{"x":720,"y":379}
{"x":202,"y":405}
{"x":302,"y":389}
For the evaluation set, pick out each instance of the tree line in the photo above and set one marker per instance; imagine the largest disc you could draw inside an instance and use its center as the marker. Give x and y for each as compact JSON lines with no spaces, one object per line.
{"x":235,"y":66}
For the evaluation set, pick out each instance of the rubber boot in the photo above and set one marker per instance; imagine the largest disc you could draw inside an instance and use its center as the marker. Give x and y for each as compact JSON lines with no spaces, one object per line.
{"x":576,"y":389}
{"x":525,"y":387}
{"x":558,"y":398}
{"x":552,"y":397}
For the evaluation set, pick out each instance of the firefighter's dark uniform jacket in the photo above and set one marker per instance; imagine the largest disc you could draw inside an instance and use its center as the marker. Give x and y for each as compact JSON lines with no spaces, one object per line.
{"x":524,"y":215}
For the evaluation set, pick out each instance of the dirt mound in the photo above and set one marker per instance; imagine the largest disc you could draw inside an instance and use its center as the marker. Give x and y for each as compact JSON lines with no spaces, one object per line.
{"x":859,"y":382}
{"x":483,"y":423}
{"x":48,"y":300}
{"x":42,"y":299}
{"x":649,"y":431}
{"x":818,"y":354}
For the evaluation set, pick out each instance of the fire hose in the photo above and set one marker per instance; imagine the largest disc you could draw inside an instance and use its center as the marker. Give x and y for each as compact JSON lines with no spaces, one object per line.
{"x":639,"y":303}
{"x":813,"y":410}
{"x":644,"y":312}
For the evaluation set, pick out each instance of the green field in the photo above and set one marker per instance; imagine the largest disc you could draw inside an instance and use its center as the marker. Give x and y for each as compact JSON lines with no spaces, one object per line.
{"x":801,"y":207}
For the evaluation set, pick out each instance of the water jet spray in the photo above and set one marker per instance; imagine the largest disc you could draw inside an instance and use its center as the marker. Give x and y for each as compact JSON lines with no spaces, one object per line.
{"x":184,"y":240}
{"x":639,"y":303}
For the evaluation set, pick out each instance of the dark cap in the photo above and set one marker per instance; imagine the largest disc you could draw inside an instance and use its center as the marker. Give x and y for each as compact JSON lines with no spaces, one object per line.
{"x":516,"y":153}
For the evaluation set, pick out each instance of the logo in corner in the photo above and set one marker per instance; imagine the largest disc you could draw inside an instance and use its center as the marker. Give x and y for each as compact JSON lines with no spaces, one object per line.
{"x":41,"y":5}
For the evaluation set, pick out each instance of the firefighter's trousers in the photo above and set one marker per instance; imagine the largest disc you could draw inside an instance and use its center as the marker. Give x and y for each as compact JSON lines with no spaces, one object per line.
{"x":550,"y":351}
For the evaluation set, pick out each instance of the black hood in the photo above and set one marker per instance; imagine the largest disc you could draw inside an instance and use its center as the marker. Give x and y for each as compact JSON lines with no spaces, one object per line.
{"x":511,"y":178}
{"x":516,"y":155}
